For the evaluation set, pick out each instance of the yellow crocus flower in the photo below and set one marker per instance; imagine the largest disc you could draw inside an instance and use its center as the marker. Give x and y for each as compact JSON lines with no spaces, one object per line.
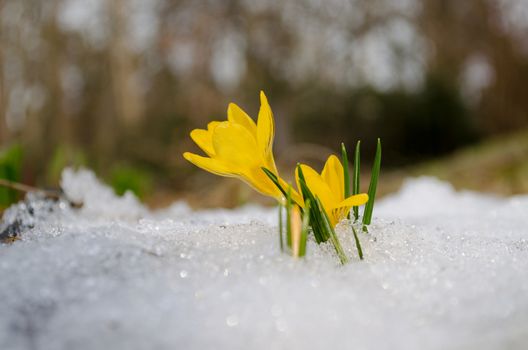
{"x":240,"y":148}
{"x":329,"y":187}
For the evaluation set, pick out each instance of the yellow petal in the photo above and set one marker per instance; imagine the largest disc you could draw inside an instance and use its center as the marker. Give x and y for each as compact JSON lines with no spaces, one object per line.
{"x":234,"y":145}
{"x":209,"y":164}
{"x":338,"y":214}
{"x":204,"y":140}
{"x":319,"y":187}
{"x":333,"y":175}
{"x":212,"y":125}
{"x":354,"y":201}
{"x":257,"y":179}
{"x":343,"y":208}
{"x":236,"y":115}
{"x":266,"y":131}
{"x":296,"y":197}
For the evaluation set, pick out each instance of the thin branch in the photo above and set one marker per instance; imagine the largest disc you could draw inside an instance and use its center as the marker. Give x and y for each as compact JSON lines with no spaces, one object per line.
{"x":26,"y":188}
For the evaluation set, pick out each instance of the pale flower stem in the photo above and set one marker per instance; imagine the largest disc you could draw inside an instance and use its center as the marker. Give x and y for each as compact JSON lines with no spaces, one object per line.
{"x":296,"y":231}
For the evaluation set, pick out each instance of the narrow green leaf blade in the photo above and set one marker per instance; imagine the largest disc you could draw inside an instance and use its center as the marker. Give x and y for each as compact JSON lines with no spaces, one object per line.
{"x":288,"y":218}
{"x":344,"y":159}
{"x":369,"y":207}
{"x":305,"y":228}
{"x":331,"y":233}
{"x":315,"y":220}
{"x":275,"y":180}
{"x":358,"y":243}
{"x":356,"y":177}
{"x":346,"y":175}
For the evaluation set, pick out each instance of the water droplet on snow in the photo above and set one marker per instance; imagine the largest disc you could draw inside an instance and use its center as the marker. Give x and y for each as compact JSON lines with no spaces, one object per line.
{"x":232,"y":321}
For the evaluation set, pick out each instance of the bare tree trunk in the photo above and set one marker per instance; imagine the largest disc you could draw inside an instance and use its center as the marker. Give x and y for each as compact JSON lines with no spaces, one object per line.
{"x":4,"y":135}
{"x":56,"y":124}
{"x":127,"y":95}
{"x":3,"y":127}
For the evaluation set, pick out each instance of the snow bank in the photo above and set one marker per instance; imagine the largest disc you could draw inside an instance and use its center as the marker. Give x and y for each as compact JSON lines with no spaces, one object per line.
{"x":443,"y":270}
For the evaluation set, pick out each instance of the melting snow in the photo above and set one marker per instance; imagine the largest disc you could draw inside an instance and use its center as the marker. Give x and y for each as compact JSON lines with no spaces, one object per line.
{"x":443,"y":270}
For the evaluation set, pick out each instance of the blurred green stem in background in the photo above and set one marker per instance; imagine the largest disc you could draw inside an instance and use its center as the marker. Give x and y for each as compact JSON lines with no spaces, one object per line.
{"x":10,"y":170}
{"x":64,"y":156}
{"x":127,"y":178}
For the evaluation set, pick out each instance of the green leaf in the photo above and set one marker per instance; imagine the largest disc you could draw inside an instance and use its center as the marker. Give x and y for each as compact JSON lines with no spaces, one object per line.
{"x":369,"y":207}
{"x":331,"y":233}
{"x":281,"y":228}
{"x":356,"y":177}
{"x":346,"y":175}
{"x":358,"y":244}
{"x":344,"y":159}
{"x":275,"y":180}
{"x":305,"y":228}
{"x":288,"y":218}
{"x":316,"y":221}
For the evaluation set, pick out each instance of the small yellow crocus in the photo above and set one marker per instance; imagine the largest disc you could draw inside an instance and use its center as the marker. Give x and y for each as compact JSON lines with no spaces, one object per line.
{"x":329,"y":188}
{"x":240,"y":148}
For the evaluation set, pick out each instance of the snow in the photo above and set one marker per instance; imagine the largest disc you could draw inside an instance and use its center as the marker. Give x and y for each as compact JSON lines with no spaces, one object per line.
{"x":442,"y":270}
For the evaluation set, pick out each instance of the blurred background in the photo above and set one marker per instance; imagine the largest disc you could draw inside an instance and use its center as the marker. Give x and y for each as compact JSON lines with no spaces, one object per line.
{"x":117,"y":85}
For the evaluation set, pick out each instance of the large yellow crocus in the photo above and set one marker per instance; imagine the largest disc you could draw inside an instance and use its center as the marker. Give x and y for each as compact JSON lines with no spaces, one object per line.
{"x":240,"y":148}
{"x":329,"y":187}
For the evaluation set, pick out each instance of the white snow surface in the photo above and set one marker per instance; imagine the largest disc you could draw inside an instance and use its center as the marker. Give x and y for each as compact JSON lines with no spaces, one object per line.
{"x":442,"y":270}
